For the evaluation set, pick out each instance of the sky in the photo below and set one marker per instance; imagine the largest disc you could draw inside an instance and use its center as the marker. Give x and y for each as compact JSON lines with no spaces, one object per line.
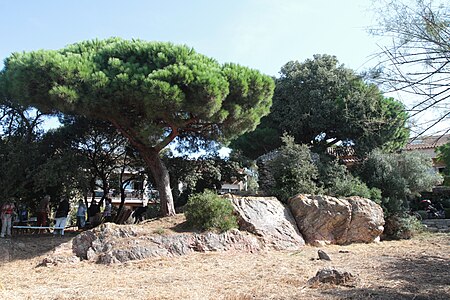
{"x":260,"y":34}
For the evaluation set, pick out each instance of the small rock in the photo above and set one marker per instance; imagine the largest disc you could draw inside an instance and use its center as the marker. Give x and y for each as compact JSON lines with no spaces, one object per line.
{"x":332,"y":276}
{"x":323,"y":255}
{"x":47,"y":262}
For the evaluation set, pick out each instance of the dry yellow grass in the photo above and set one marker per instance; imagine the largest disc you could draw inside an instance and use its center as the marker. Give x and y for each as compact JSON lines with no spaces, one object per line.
{"x":410,"y":269}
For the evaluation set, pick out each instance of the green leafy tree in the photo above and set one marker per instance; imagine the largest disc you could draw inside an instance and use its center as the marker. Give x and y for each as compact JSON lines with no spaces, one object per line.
{"x":399,"y":176}
{"x":197,"y":175}
{"x":321,"y":103}
{"x":20,"y":150}
{"x":292,"y":171}
{"x":336,"y":180}
{"x":265,"y":138}
{"x":151,"y":92}
{"x":443,"y":153}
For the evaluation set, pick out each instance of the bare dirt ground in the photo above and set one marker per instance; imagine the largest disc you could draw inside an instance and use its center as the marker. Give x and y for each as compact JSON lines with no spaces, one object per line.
{"x":410,"y":269}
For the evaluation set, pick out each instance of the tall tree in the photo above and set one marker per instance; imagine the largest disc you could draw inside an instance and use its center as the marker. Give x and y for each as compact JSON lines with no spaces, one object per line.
{"x":321,"y":103}
{"x":151,"y":92}
{"x":20,"y":151}
{"x":418,"y":60}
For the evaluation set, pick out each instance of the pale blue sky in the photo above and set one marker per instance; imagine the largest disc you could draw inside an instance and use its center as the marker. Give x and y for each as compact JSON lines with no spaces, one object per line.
{"x":262,"y":34}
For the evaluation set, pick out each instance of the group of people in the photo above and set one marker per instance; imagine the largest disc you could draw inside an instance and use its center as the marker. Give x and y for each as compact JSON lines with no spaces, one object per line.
{"x":94,"y":213}
{"x":8,"y":213}
{"x":61,"y":214}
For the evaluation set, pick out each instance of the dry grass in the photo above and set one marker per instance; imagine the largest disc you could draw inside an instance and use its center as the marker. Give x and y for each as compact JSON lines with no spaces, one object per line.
{"x":411,"y":269}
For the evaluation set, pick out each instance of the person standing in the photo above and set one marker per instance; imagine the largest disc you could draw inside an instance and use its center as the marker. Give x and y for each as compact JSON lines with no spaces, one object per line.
{"x":81,"y":214}
{"x":94,"y":209}
{"x":61,"y":215}
{"x":43,"y":211}
{"x":6,"y":215}
{"x":107,"y":210}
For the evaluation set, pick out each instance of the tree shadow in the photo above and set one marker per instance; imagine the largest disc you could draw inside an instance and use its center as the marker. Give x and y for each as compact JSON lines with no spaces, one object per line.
{"x":184,"y":227}
{"x":28,"y":246}
{"x":419,"y":278}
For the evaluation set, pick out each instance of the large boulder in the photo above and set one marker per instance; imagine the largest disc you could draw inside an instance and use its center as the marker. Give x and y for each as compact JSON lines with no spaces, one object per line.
{"x":328,"y":220}
{"x":269,"y":219}
{"x":321,"y":219}
{"x":367,"y":221}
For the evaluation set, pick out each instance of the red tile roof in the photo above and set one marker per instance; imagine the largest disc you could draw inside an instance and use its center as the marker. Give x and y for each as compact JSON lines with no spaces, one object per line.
{"x":429,"y":142}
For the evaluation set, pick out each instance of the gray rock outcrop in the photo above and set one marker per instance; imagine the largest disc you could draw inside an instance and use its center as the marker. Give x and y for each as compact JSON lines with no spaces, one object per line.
{"x":110,"y":243}
{"x":328,"y":220}
{"x":269,"y":219}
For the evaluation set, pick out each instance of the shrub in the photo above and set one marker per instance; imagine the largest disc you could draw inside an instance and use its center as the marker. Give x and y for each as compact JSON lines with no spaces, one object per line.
{"x":447,"y":213}
{"x":338,"y":181}
{"x":153,"y":211}
{"x":399,"y":176}
{"x":293,"y":170}
{"x":208,"y":211}
{"x":402,"y":227}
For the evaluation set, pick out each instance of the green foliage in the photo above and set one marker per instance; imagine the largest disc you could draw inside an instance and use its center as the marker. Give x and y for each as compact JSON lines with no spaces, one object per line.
{"x":399,"y":176}
{"x":153,"y":211}
{"x":152,"y":87}
{"x":402,"y":227}
{"x":293,"y":170}
{"x":265,"y":138}
{"x":208,"y":211}
{"x":338,"y":181}
{"x":205,"y":172}
{"x":443,"y":155}
{"x":321,"y":103}
{"x":33,"y":164}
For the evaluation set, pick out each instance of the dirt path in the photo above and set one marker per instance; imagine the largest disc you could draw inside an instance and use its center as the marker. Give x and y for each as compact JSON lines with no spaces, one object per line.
{"x":411,"y":269}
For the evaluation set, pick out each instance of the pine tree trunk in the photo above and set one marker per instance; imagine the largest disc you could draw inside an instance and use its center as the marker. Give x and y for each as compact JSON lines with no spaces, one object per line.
{"x":162,"y":180}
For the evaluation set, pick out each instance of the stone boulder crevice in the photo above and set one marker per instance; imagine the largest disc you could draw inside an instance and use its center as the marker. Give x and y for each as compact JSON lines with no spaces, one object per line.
{"x":269,"y":219}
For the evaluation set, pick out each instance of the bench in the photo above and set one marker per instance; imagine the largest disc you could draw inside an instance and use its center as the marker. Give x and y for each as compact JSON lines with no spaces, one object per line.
{"x":24,"y":229}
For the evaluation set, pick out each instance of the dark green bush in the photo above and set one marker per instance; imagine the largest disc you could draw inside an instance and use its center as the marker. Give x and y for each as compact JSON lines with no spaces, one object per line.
{"x":447,"y":213}
{"x":402,"y":227}
{"x":293,"y":170}
{"x":338,"y":181}
{"x":208,"y":211}
{"x":153,"y":211}
{"x":399,"y":176}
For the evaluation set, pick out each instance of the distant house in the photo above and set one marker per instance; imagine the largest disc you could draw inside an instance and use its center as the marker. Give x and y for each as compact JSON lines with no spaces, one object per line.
{"x":346,"y":155}
{"x":137,"y":192}
{"x":428,"y":146}
{"x":234,"y":186}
